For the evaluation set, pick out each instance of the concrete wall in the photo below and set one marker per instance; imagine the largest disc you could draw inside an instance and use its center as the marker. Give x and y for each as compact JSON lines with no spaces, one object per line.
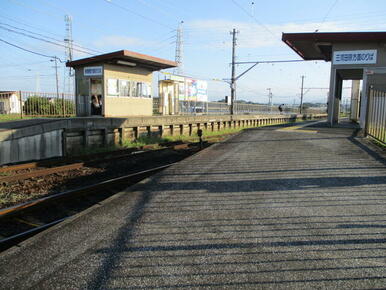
{"x":120,"y":106}
{"x":31,"y":143}
{"x":53,"y":138}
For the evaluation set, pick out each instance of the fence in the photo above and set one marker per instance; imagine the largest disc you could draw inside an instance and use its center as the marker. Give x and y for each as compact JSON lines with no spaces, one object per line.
{"x":37,"y":104}
{"x":376,"y":116}
{"x":219,"y":108}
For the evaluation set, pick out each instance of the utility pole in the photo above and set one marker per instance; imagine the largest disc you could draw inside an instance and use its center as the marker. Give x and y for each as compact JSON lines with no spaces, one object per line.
{"x":301,"y":95}
{"x":270,"y":99}
{"x":179,"y":50}
{"x":233,"y":77}
{"x":68,"y":46}
{"x":57,"y":81}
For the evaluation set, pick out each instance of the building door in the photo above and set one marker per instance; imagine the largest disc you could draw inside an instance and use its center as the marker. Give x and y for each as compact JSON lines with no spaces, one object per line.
{"x":96,"y":102}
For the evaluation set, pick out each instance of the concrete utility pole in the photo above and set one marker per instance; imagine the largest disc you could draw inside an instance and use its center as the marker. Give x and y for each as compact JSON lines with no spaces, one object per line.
{"x":301,"y":95}
{"x":57,"y":83}
{"x":233,"y":77}
{"x":269,"y":99}
{"x":68,"y":46}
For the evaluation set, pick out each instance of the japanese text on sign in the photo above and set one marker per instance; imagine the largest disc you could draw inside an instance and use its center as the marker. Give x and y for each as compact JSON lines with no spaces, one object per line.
{"x":355,"y":57}
{"x":92,"y":71}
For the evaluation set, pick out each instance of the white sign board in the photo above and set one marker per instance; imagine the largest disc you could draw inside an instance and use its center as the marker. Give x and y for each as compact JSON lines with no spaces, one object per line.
{"x":355,"y":57}
{"x":90,"y":71}
{"x":202,"y":91}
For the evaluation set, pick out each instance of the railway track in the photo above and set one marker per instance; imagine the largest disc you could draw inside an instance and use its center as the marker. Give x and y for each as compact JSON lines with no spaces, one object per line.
{"x":36,"y":170}
{"x":19,"y":222}
{"x":55,"y":165}
{"x":22,"y":221}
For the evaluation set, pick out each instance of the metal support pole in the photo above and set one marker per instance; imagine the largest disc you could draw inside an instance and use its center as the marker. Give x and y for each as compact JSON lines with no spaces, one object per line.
{"x":233,"y":77}
{"x":21,"y":104}
{"x":301,"y":96}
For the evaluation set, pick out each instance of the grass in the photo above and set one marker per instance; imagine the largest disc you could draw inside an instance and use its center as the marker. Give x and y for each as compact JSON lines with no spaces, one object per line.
{"x":143,"y":141}
{"x":378,"y":143}
{"x":16,"y":117}
{"x":155,"y":141}
{"x":11,"y":117}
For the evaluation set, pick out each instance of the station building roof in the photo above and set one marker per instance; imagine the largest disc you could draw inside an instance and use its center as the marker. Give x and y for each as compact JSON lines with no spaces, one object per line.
{"x":318,"y":46}
{"x":134,"y":58}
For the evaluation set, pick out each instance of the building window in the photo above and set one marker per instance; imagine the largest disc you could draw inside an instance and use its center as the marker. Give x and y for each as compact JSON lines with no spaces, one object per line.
{"x":113,"y":87}
{"x":124,"y":88}
{"x":133,"y":87}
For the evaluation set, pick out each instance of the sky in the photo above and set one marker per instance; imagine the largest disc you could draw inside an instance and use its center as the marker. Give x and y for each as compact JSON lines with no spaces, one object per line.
{"x":149,"y":27}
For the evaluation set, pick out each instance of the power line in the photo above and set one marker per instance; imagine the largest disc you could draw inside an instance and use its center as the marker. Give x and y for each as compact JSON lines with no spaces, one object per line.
{"x":137,"y":14}
{"x":7,"y":65}
{"x":254,"y":18}
{"x":30,"y":51}
{"x":42,"y":39}
{"x":271,"y":61}
{"x":329,"y":10}
{"x":28,"y":25}
{"x":48,"y":37}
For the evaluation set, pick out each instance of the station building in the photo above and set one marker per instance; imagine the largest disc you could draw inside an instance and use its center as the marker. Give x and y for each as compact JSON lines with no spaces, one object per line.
{"x":357,"y":56}
{"x":116,"y":84}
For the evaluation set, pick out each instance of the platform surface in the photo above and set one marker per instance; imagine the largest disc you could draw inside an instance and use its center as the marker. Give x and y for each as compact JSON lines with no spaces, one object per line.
{"x":269,"y":208}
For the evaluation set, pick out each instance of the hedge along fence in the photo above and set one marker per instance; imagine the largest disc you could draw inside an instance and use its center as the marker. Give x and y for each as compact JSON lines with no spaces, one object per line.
{"x":20,"y":104}
{"x":43,"y":106}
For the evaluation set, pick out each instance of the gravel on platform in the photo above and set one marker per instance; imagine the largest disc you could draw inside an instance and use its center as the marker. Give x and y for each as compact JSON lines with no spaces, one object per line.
{"x":266,"y":209}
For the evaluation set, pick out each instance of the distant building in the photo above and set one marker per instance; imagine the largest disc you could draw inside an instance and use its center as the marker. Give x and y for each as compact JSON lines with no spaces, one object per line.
{"x":9,"y":102}
{"x":116,"y":84}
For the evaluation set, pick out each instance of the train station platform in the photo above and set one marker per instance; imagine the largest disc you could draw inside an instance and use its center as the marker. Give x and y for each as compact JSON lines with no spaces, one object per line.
{"x":299,"y":207}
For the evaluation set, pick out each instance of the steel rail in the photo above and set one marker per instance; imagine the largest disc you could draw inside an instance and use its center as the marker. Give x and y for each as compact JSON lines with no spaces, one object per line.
{"x":14,"y":210}
{"x":12,"y":240}
{"x":41,"y":172}
{"x":91,"y":188}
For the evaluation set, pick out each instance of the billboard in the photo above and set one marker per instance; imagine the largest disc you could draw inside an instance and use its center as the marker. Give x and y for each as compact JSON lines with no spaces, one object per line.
{"x":190,"y":89}
{"x":195,"y":90}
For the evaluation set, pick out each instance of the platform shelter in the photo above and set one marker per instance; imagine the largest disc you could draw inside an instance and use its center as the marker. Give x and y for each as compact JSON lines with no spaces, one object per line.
{"x":116,"y":84}
{"x":354,"y":56}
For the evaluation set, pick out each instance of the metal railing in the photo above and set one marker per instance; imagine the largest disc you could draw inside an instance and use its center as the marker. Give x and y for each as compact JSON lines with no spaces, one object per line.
{"x":376,"y":115}
{"x":219,"y":108}
{"x":37,"y":104}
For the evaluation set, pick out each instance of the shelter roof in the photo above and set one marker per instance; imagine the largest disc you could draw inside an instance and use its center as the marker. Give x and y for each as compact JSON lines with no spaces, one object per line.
{"x":318,"y":46}
{"x":142,"y":60}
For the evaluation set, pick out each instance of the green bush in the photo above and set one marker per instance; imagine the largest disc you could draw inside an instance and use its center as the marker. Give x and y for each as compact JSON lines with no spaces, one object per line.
{"x":36,"y":105}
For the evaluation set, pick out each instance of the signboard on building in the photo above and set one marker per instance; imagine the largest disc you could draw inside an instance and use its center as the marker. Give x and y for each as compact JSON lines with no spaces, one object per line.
{"x":355,"y":57}
{"x":91,"y":71}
